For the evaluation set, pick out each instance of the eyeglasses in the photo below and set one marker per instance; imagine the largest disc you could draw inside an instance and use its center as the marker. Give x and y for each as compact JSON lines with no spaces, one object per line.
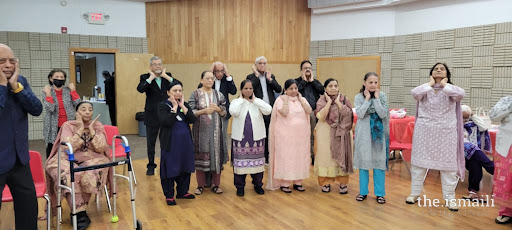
{"x":156,"y":64}
{"x":219,"y":71}
{"x":262,"y":63}
{"x":307,"y":68}
{"x":11,"y":60}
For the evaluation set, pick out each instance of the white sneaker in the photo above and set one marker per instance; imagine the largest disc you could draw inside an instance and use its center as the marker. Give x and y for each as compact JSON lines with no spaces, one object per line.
{"x":411,"y":199}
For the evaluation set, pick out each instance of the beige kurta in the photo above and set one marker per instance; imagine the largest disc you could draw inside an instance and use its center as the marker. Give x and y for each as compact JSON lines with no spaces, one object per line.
{"x":325,"y":165}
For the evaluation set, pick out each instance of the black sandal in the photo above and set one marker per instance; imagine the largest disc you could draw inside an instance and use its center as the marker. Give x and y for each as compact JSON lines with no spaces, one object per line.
{"x":217,"y":190}
{"x":361,"y":197}
{"x":381,"y":200}
{"x":326,"y":188}
{"x":503,"y":219}
{"x":343,"y":189}
{"x":286,"y":189}
{"x":299,"y":188}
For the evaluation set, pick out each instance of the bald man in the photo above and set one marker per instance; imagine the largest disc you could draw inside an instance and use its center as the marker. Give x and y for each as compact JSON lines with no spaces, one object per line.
{"x":16,"y":101}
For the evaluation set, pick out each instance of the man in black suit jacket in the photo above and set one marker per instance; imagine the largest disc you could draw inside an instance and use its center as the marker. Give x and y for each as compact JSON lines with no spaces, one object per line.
{"x":154,"y":84}
{"x":110,"y":95}
{"x":264,"y":86}
{"x":311,"y":89}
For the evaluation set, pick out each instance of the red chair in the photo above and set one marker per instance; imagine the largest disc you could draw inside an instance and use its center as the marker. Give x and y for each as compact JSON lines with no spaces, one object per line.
{"x":110,"y":132}
{"x":36,"y":168}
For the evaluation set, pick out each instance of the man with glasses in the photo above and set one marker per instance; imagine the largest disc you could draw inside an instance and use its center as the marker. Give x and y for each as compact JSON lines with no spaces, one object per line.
{"x":264,"y":86}
{"x":154,"y":84}
{"x":16,"y":100}
{"x":223,"y":83}
{"x":311,"y":89}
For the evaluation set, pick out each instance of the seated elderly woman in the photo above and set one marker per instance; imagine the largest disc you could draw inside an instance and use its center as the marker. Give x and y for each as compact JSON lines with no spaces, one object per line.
{"x":476,"y":141}
{"x":87,"y":137}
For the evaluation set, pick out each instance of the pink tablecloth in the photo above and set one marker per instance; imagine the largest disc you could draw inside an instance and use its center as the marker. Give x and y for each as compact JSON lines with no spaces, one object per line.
{"x":397,"y":128}
{"x":409,"y":131}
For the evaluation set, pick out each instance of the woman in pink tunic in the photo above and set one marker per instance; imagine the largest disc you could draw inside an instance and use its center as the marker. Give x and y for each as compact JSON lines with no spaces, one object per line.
{"x":289,"y":142}
{"x":438,"y":136}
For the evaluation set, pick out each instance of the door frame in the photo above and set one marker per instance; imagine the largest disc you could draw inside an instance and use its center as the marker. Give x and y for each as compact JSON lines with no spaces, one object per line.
{"x":73,"y":50}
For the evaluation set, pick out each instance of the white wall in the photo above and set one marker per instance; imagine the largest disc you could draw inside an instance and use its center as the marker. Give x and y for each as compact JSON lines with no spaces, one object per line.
{"x":354,"y":24}
{"x":424,"y":16}
{"x":415,"y":17}
{"x":127,"y":19}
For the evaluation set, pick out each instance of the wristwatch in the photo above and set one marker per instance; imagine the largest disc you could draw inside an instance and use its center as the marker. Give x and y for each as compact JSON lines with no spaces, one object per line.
{"x":19,"y":89}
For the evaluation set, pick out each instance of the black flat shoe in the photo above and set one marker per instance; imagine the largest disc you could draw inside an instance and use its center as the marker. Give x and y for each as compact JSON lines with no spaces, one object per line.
{"x":259,"y":190}
{"x":150,"y":172}
{"x":186,"y":196}
{"x":82,"y":220}
{"x":240,"y":192}
{"x":170,"y":201}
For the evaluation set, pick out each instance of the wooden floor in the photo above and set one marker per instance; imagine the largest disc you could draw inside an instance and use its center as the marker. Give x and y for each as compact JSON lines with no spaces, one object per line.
{"x":276,"y":210}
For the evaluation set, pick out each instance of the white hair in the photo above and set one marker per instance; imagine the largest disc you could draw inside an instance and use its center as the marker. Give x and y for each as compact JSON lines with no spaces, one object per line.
{"x":154,"y":58}
{"x":466,"y":109}
{"x":259,"y":58}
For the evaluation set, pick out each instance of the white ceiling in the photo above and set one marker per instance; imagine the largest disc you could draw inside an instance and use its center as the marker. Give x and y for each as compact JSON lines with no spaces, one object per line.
{"x":333,"y":6}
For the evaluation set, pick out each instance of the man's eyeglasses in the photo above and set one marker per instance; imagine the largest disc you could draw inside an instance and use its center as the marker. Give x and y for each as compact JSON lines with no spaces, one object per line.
{"x":156,"y":64}
{"x":307,"y":68}
{"x":11,"y":60}
{"x":219,"y":71}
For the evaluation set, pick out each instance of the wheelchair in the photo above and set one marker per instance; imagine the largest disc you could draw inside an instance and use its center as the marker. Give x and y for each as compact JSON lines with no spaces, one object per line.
{"x":137,"y":224}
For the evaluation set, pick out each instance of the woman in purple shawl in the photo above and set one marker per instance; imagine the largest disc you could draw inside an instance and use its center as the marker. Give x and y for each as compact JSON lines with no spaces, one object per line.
{"x":438,"y":137}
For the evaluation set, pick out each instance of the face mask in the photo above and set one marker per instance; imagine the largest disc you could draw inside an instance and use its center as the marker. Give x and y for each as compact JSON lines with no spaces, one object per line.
{"x":59,"y":83}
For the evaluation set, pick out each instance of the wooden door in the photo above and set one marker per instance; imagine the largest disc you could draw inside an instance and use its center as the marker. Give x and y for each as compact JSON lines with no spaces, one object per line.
{"x":88,"y":77}
{"x":129,"y":67}
{"x":349,"y":71}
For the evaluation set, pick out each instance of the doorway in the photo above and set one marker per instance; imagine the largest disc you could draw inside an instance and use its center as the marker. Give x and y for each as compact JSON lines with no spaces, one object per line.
{"x":92,"y":72}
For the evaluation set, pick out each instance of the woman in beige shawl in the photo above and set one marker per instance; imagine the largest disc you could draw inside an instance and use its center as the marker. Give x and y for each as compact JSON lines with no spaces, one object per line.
{"x":89,"y":145}
{"x":333,"y":148}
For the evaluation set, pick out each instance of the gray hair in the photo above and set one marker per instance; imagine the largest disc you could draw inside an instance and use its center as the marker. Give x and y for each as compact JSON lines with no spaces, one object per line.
{"x":154,"y":58}
{"x":259,"y":58}
{"x":466,"y":109}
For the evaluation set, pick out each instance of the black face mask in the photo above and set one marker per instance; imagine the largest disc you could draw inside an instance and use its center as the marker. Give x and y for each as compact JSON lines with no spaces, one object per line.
{"x":59,"y":83}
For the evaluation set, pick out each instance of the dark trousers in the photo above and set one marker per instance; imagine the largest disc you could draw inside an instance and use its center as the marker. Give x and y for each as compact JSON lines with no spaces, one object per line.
{"x":112,"y":111}
{"x":152,"y":134}
{"x":182,"y":185}
{"x":19,"y":180}
{"x":474,"y":166}
{"x":266,"y":119}
{"x":49,"y":146}
{"x":257,"y":179}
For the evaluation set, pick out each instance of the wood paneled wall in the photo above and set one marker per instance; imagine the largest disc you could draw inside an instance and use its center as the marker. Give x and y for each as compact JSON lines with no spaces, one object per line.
{"x":236,"y":31}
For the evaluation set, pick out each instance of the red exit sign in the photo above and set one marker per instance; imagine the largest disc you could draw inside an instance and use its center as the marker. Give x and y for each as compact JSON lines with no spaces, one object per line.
{"x":96,"y":18}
